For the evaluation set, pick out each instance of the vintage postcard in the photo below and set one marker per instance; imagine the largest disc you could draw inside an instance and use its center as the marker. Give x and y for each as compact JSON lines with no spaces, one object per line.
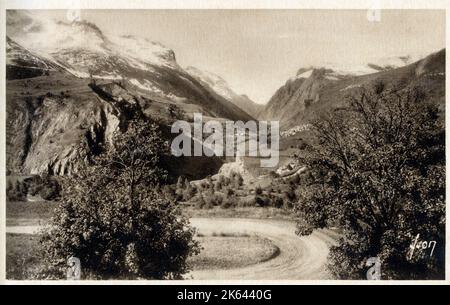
{"x":207,"y":141}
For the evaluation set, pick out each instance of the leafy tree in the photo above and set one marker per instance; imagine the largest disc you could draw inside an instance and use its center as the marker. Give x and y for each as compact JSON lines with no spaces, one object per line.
{"x":187,"y":184}
{"x":189,"y":191}
{"x":377,"y":170}
{"x":113,"y":221}
{"x":169,"y":193}
{"x":179,"y":183}
{"x":200,"y":201}
{"x":258,"y":190}
{"x":179,"y":188}
{"x":46,"y":186}
{"x":218,"y":185}
{"x":278,"y":202}
{"x":16,"y":191}
{"x":238,"y":180}
{"x":227,"y":202}
{"x":50,"y":189}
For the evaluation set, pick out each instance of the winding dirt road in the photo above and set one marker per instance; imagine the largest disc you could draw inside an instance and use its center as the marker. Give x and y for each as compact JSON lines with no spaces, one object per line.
{"x":300,"y":258}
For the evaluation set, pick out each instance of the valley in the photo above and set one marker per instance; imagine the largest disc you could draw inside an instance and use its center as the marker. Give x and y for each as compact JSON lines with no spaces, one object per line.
{"x":73,"y":99}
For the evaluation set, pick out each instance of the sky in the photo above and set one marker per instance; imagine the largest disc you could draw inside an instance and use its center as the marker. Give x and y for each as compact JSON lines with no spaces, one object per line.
{"x":256,"y":51}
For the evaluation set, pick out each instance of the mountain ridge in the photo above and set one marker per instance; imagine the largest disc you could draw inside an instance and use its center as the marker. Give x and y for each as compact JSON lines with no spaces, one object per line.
{"x":83,"y":50}
{"x":314,"y":90}
{"x":221,"y":87}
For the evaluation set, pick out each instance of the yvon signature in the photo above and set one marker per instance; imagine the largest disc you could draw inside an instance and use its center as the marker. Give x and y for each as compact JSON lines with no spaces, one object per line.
{"x":421,"y":246}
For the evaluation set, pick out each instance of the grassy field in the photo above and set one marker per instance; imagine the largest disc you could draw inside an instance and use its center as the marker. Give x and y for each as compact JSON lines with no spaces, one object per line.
{"x":240,"y":212}
{"x":28,"y":213}
{"x":221,"y":251}
{"x":22,"y":259}
{"x":35,"y":213}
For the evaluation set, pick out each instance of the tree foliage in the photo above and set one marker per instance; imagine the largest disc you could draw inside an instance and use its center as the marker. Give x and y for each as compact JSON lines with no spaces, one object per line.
{"x":377,"y":171}
{"x":111,"y":218}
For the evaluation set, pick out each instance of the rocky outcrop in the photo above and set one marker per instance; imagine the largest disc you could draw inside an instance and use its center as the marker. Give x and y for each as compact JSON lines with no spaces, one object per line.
{"x":296,"y":96}
{"x":55,"y":134}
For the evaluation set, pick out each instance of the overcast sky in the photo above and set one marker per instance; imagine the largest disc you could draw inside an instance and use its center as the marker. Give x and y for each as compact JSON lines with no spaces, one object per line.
{"x":256,"y":51}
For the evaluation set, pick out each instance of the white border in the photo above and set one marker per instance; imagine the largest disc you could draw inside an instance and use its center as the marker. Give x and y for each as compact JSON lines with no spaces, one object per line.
{"x":206,"y":4}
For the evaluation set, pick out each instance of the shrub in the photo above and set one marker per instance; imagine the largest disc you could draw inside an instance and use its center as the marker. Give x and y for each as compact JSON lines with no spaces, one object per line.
{"x":200,"y":201}
{"x":16,"y":191}
{"x":273,"y":175}
{"x":278,"y":202}
{"x":218,"y":186}
{"x":229,"y":192}
{"x":237,"y":179}
{"x":262,"y":201}
{"x":113,"y":221}
{"x":169,"y":193}
{"x":287,"y":205}
{"x":189,"y":191}
{"x":258,"y":190}
{"x":227,"y":203}
{"x":46,"y":186}
{"x":180,"y":184}
{"x":290,"y":195}
{"x":50,"y":190}
{"x":377,"y":171}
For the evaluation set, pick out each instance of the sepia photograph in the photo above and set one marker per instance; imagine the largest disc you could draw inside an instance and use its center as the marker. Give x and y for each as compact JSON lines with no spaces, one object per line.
{"x":224,"y":144}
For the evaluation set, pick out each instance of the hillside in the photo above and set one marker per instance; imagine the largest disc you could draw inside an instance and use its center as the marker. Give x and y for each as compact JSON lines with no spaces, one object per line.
{"x":315,"y":90}
{"x":222,"y":88}
{"x":83,"y":50}
{"x":66,"y":97}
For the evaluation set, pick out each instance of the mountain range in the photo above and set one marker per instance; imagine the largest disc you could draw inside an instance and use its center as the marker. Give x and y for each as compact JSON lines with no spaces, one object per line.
{"x":317,"y":89}
{"x":80,"y":48}
{"x":70,"y":86}
{"x":220,"y":86}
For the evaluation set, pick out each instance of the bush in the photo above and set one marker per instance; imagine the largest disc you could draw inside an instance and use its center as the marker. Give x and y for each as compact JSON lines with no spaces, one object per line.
{"x":218,"y":186}
{"x":112,"y":220}
{"x":50,"y":191}
{"x":278,"y":202}
{"x":16,"y":191}
{"x":378,"y":172}
{"x":46,"y":186}
{"x":237,"y":179}
{"x":258,"y":190}
{"x":227,"y":203}
{"x":200,"y":201}
{"x":180,"y":184}
{"x":262,"y":201}
{"x":189,"y":191}
{"x":273,"y":175}
{"x":169,"y":193}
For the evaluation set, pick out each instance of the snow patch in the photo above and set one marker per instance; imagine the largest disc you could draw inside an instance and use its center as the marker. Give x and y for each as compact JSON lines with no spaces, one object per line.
{"x":217,"y":83}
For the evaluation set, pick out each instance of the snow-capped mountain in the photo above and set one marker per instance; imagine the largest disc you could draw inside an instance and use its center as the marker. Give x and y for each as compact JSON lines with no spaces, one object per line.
{"x":70,"y":87}
{"x":82,"y":49}
{"x":21,"y":63}
{"x":222,"y":88}
{"x":315,"y":89}
{"x":337,"y":71}
{"x":217,"y":83}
